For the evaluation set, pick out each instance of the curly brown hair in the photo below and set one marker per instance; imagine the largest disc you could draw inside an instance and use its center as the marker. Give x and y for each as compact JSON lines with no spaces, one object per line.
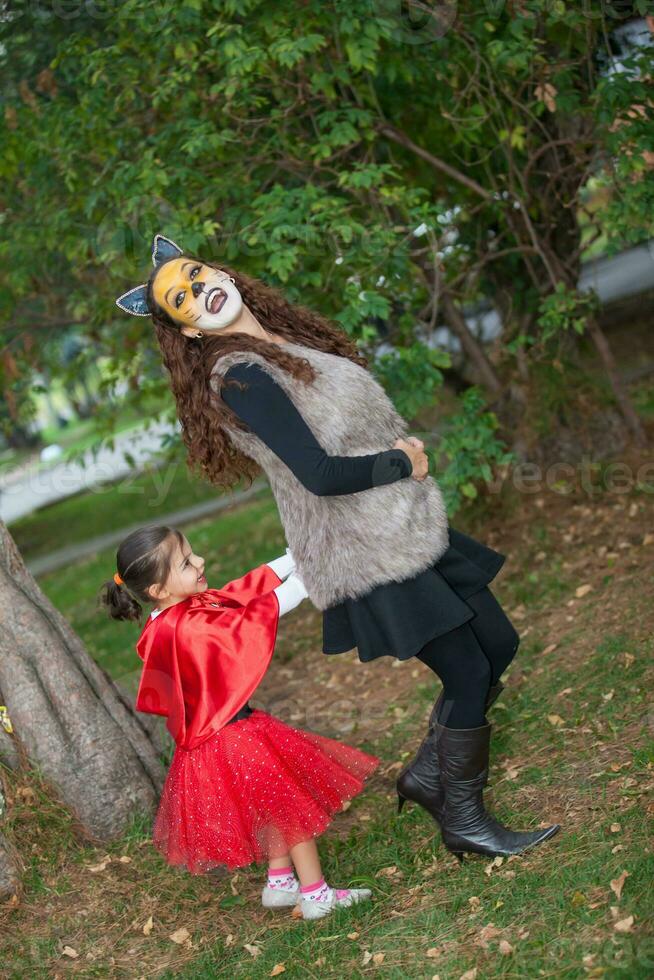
{"x":190,"y":362}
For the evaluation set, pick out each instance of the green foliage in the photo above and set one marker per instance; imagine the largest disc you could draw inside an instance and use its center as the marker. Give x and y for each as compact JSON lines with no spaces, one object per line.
{"x":471,"y":446}
{"x":565,"y":309}
{"x":257,"y":136}
{"x":412,"y":376}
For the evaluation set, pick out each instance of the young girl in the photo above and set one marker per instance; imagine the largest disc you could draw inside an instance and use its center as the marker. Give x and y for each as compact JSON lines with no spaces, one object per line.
{"x":242,"y":786}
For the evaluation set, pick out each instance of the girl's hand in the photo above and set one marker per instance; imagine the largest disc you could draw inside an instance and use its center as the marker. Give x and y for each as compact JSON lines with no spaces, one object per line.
{"x":414,"y":449}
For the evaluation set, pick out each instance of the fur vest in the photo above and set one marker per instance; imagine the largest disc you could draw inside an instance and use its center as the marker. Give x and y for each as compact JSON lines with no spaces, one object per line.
{"x":346,"y":545}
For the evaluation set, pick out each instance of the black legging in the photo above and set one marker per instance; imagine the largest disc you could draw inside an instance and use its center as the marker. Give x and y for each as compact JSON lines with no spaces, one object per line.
{"x":470,"y":659}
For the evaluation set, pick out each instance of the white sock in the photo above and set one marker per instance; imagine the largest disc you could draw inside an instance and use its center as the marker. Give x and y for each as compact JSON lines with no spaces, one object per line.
{"x":319,"y":892}
{"x":282,"y":879}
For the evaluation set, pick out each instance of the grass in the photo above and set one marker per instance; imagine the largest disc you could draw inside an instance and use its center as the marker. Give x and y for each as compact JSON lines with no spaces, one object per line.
{"x":572,"y":742}
{"x":145,"y":497}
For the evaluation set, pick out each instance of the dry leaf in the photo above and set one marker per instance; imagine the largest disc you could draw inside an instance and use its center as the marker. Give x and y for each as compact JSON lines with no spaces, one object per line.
{"x":547,"y":93}
{"x":608,"y":696}
{"x":320,"y":961}
{"x":147,"y":928}
{"x":180,"y":936}
{"x":624,"y":925}
{"x":252,"y":949}
{"x":474,"y":901}
{"x":124,"y":859}
{"x":433,"y":953}
{"x":378,"y":958}
{"x":495,"y":863}
{"x":618,"y":847}
{"x":277,"y":969}
{"x":555,"y":720}
{"x":353,"y":935}
{"x":505,"y":947}
{"x":94,"y":868}
{"x":617,"y":884}
{"x":386,"y":872}
{"x":615,"y":828}
{"x":469,"y":974}
{"x":583,"y":590}
{"x":70,"y":952}
{"x":367,"y":956}
{"x":229,"y":940}
{"x":549,"y":649}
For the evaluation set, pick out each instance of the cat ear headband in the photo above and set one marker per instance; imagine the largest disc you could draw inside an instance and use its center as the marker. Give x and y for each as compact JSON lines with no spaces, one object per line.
{"x":135,"y":301}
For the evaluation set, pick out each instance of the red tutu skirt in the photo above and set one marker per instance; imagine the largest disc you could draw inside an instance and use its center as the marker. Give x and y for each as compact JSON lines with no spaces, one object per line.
{"x":252,"y":791}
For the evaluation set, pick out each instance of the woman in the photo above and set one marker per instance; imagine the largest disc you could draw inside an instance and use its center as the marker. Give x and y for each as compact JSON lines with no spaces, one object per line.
{"x":262,"y":383}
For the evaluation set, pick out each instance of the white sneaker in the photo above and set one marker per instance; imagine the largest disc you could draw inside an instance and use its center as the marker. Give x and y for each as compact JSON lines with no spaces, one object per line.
{"x":339,"y":898}
{"x":279,"y":898}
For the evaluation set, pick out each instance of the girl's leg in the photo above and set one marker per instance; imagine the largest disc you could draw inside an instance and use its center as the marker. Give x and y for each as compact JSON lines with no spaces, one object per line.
{"x":281,"y":862}
{"x":307,"y":862}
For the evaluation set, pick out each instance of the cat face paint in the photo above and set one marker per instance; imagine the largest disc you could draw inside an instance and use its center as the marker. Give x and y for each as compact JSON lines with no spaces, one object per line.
{"x":197,"y":296}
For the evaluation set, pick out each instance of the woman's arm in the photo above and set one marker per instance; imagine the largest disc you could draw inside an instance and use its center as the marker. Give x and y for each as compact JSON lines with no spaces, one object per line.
{"x":265,"y":407}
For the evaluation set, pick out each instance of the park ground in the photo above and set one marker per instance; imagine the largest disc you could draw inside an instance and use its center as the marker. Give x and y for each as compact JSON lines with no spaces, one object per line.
{"x":573,"y":743}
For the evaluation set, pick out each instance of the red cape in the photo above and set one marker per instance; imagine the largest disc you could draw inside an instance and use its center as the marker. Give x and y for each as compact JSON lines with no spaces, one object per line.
{"x":205,"y":656}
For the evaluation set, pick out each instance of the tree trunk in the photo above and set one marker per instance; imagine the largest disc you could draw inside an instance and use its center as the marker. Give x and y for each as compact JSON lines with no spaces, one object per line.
{"x":619,"y":391}
{"x":471,"y":346}
{"x":9,"y":860}
{"x":68,"y":716}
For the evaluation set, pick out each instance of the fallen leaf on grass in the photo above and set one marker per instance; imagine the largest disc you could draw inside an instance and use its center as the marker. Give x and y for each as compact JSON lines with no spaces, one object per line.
{"x":549,"y":649}
{"x":495,"y":863}
{"x":229,"y":940}
{"x":624,"y":925}
{"x":320,"y":961}
{"x":353,"y":935}
{"x":469,"y":974}
{"x":434,"y":952}
{"x":615,"y":828}
{"x":125,"y":859}
{"x":555,"y":720}
{"x":70,"y":952}
{"x":378,"y":958}
{"x":277,"y":969}
{"x":252,"y":949}
{"x":474,"y":901}
{"x":147,"y":928}
{"x":180,"y":936}
{"x":583,"y":590}
{"x":505,"y":947}
{"x":386,"y":872}
{"x":95,"y":868}
{"x":617,"y":884}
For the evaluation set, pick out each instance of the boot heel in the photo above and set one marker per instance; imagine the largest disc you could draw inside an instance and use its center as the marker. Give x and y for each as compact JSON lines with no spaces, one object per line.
{"x":401,"y":800}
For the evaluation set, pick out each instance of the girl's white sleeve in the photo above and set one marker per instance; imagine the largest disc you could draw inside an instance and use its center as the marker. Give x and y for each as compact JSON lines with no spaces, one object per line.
{"x":290,"y":593}
{"x":282,"y":566}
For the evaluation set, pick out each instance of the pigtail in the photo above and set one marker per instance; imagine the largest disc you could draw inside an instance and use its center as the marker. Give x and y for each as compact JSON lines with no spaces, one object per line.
{"x":119,"y":603}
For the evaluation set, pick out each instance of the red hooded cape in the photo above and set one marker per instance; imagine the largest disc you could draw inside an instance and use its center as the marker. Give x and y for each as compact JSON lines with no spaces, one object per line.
{"x":205,"y":656}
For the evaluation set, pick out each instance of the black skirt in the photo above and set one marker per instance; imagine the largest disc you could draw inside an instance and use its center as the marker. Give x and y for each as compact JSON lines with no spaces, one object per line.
{"x":399,"y":618}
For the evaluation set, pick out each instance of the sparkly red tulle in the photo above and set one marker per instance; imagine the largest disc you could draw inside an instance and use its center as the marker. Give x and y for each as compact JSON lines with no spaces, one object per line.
{"x":252,"y":791}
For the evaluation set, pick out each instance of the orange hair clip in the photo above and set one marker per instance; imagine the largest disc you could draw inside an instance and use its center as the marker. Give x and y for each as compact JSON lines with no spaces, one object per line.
{"x":117,"y":579}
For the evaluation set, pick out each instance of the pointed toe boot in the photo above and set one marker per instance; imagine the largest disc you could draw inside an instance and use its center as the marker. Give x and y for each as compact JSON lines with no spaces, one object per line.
{"x":420,"y":779}
{"x":466,"y":825}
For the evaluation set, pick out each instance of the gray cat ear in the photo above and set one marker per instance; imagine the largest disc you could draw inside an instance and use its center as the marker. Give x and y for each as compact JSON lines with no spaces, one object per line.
{"x":163,"y":249}
{"x":135,"y":301}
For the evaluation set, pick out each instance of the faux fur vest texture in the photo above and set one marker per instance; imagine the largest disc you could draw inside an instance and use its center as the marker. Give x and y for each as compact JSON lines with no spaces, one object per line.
{"x":346,"y":545}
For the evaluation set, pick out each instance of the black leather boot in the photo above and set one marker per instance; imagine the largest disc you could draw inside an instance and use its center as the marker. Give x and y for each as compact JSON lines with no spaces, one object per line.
{"x":466,"y":826}
{"x":420,"y":779}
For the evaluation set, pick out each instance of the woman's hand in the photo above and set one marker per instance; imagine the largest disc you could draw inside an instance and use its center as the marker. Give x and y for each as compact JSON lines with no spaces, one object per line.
{"x":414,"y":449}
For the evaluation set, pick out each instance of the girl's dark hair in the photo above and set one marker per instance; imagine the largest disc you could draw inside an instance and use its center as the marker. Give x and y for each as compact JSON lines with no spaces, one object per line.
{"x":141,"y":560}
{"x":190,"y":361}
